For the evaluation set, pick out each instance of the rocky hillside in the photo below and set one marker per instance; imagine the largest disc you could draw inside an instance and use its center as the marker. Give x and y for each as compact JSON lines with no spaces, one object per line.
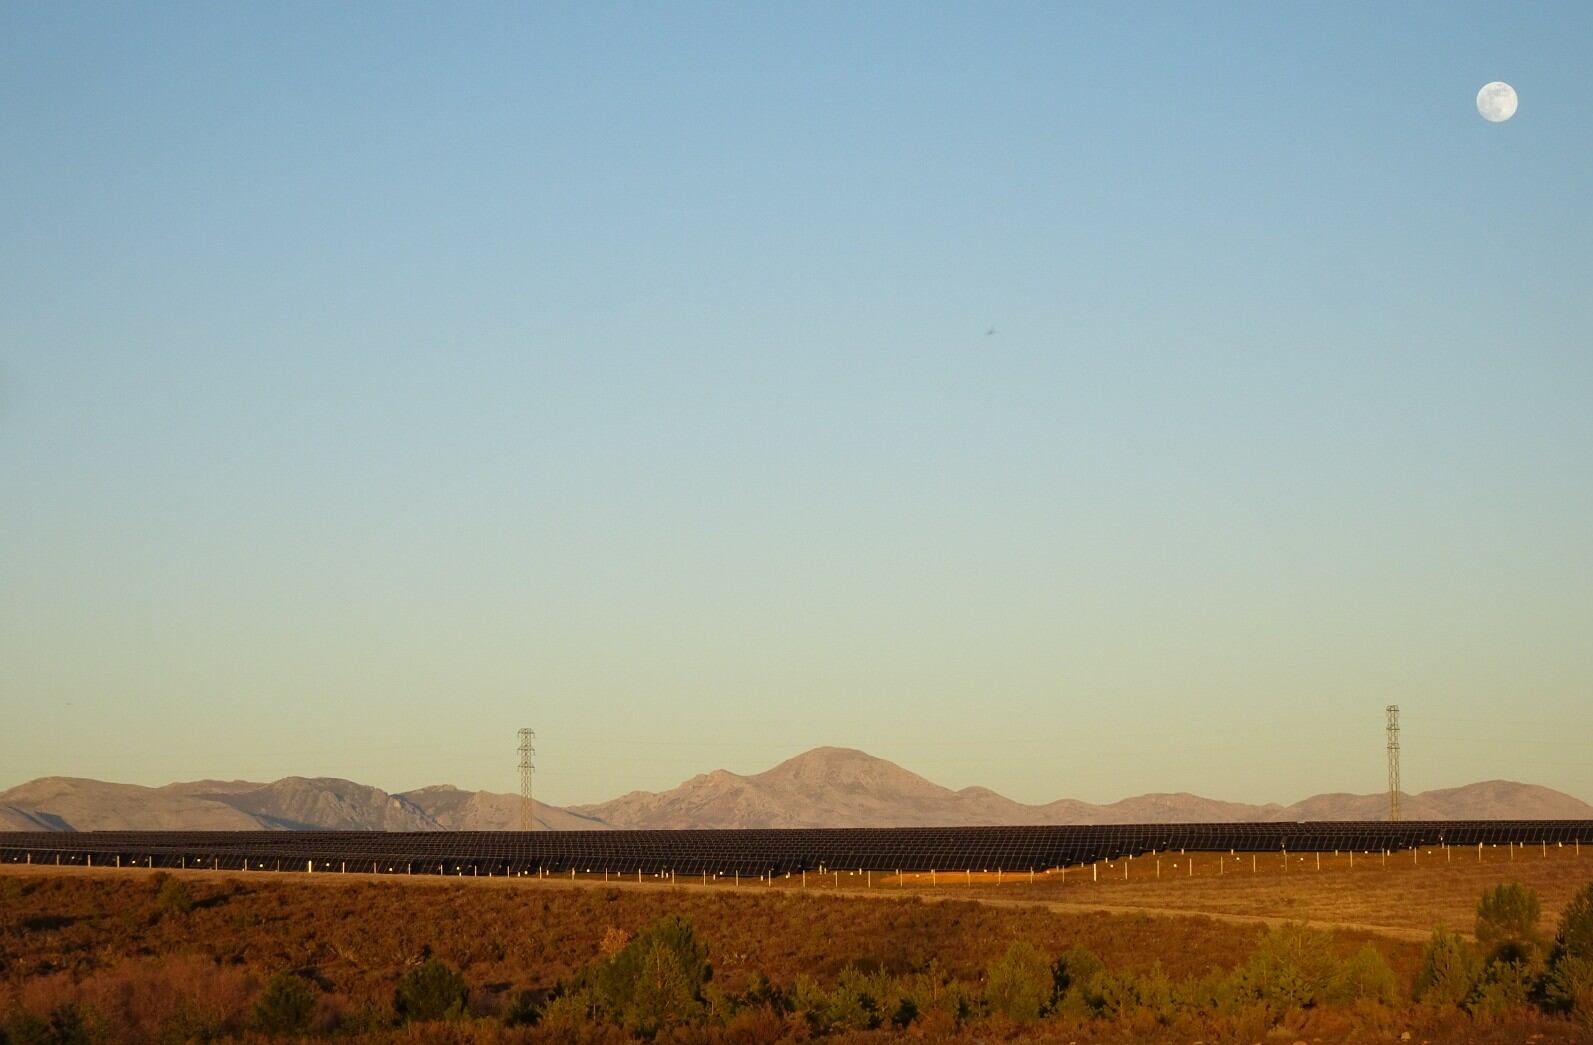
{"x":301,"y":803}
{"x":839,"y":787}
{"x":289,"y":804}
{"x":75,"y":804}
{"x":453,"y":809}
{"x":825,"y":787}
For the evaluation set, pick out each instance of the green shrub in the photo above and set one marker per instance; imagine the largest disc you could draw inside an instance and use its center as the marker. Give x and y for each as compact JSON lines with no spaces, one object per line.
{"x":761,"y":992}
{"x":719,"y":1005}
{"x":1214,"y":993}
{"x":1076,"y":982}
{"x":69,"y":1025}
{"x":1364,"y":977}
{"x":24,"y":1028}
{"x":66,"y":1026}
{"x":1512,"y":971}
{"x":21,"y":1029}
{"x":431,"y":991}
{"x":1507,"y":919}
{"x":1154,"y":992}
{"x":364,"y":1020}
{"x":1575,"y":935}
{"x":655,"y":980}
{"x":1020,"y":984}
{"x":286,"y":1005}
{"x":525,"y":1009}
{"x":810,"y":1002}
{"x":1293,"y":967}
{"x":569,"y":1016}
{"x":854,"y":1004}
{"x":1449,"y":970}
{"x":929,"y":992}
{"x":191,"y":1020}
{"x":1114,"y":996}
{"x":903,"y":1012}
{"x":1146,"y":996}
{"x":1505,"y":986}
{"x":174,"y":897}
{"x":1568,"y":987}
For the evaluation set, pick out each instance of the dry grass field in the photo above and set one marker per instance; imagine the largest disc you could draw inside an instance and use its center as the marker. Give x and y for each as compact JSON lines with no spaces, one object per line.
{"x":507,"y":928}
{"x":1400,"y":895}
{"x":1401,"y":892}
{"x":114,"y":942}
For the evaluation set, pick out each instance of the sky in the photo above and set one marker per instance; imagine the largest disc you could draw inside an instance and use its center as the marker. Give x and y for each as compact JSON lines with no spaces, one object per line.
{"x":377,"y":380}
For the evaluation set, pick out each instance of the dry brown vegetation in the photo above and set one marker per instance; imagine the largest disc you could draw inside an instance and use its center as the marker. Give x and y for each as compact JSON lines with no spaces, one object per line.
{"x":152,"y":964}
{"x":1396,"y":892}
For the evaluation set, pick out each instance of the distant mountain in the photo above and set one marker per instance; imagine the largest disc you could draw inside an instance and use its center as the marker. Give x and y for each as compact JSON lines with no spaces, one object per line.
{"x":74,"y":804}
{"x":290,"y":804}
{"x":14,"y":819}
{"x":825,"y":787}
{"x":839,"y":787}
{"x":1489,"y":800}
{"x":300,"y":803}
{"x":1495,"y":800}
{"x":1176,"y":808}
{"x":455,"y":810}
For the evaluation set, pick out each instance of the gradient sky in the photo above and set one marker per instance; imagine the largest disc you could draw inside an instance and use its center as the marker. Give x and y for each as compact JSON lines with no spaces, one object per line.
{"x":378,"y":379}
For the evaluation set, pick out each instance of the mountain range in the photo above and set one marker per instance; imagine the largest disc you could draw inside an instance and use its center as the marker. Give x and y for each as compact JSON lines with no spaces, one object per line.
{"x":825,"y":787}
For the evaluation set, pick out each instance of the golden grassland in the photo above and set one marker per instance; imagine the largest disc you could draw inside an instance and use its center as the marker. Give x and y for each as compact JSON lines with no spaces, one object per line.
{"x":1402,"y":891}
{"x":363,"y":927}
{"x":107,"y":936}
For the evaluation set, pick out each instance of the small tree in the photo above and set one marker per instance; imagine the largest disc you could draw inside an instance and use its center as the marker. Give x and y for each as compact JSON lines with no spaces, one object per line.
{"x":1019,"y":985}
{"x":286,"y":1006}
{"x":1153,"y":992}
{"x":1449,"y":971}
{"x":431,"y":991}
{"x":567,"y":1017}
{"x":66,"y":1026}
{"x":174,"y":897}
{"x":1569,"y":987}
{"x":527,"y":1007}
{"x":1365,"y":976}
{"x":1506,"y":984}
{"x":1292,"y":968}
{"x":656,"y":979}
{"x":931,"y":995}
{"x":1575,"y":934}
{"x":1076,"y":982}
{"x":1507,"y":921}
{"x":1569,"y":984}
{"x":810,"y":1003}
{"x":854,"y":1004}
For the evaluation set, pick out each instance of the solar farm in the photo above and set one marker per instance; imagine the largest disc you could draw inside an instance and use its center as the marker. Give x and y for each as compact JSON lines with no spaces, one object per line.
{"x":752,"y":853}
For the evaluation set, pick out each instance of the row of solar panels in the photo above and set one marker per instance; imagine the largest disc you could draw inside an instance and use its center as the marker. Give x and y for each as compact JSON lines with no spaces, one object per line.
{"x":752,"y":852}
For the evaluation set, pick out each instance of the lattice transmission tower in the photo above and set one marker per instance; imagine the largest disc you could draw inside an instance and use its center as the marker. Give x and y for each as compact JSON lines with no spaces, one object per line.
{"x":527,"y":806}
{"x":1393,"y":760}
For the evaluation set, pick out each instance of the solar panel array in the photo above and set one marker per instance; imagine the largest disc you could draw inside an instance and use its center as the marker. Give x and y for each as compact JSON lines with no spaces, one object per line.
{"x":749,"y":852}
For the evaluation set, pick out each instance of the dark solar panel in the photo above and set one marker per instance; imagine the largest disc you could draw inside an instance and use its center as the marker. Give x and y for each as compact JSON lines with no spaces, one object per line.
{"x":750,"y":852}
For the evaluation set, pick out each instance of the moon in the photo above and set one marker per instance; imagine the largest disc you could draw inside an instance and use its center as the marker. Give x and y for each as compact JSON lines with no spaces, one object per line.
{"x":1497,"y":102}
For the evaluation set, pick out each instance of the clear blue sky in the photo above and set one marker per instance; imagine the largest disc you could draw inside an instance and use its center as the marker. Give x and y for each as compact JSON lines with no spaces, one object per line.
{"x":375,"y":380}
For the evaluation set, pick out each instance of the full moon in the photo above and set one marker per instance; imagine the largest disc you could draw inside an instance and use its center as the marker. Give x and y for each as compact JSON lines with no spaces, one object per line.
{"x":1496,"y":102}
